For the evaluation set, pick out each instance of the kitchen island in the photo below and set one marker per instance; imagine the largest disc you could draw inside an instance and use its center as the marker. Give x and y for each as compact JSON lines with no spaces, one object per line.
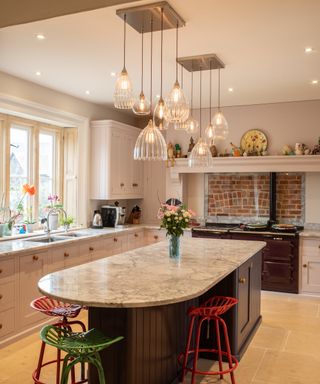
{"x":143,"y":296}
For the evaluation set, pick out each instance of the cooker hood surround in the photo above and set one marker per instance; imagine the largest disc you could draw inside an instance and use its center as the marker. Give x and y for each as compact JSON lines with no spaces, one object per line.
{"x":249,"y":164}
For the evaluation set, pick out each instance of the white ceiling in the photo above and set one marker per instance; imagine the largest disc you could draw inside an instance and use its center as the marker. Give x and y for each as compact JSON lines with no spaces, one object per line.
{"x":261,"y":42}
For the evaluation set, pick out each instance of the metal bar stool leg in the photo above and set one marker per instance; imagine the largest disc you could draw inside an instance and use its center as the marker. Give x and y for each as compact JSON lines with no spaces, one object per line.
{"x":40,"y":360}
{"x":219,"y":346}
{"x":186,"y":353}
{"x":196,"y":350}
{"x":226,"y":337}
{"x":58,"y":366}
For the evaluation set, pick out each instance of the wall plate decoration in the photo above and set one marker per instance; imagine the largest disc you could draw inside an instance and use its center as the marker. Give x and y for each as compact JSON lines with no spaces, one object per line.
{"x":254,"y":142}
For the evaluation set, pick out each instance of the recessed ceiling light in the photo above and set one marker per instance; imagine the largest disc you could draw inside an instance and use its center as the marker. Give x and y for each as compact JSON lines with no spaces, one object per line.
{"x":308,"y":49}
{"x":40,"y":36}
{"x":113,"y":74}
{"x":230,"y":89}
{"x":314,"y":82}
{"x":158,"y":96}
{"x":87,"y":92}
{"x":38,"y":73}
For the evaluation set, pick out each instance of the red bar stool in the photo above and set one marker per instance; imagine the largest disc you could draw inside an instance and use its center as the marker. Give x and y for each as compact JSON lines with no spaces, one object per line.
{"x":210,"y":310}
{"x":65,"y":311}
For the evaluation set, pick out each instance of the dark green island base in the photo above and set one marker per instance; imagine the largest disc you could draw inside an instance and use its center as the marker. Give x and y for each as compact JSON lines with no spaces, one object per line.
{"x":154,"y":336}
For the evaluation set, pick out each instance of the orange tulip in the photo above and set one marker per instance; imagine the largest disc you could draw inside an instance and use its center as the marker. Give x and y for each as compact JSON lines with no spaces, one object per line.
{"x":29,"y":189}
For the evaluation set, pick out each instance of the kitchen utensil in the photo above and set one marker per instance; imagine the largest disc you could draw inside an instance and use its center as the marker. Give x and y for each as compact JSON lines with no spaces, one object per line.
{"x":97,"y":220}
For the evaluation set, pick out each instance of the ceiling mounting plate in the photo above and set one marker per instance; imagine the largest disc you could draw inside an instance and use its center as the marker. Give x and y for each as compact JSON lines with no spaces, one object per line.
{"x":201,"y":62}
{"x":139,"y":18}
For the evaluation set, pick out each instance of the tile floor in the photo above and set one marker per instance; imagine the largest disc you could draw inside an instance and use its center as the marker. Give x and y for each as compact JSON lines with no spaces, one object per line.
{"x":285,"y":350}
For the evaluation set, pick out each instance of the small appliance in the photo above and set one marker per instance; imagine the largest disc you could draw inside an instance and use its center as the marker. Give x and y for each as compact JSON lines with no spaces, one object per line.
{"x":109,"y":215}
{"x":121,"y":216}
{"x":97,"y":220}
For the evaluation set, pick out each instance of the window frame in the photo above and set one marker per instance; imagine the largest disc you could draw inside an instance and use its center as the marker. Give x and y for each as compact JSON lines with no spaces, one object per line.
{"x":34,"y":128}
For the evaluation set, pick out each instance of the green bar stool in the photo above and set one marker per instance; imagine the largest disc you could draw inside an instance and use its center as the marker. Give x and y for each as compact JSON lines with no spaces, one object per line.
{"x":81,"y":347}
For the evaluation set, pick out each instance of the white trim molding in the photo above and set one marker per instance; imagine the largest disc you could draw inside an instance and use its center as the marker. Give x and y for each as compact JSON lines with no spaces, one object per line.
{"x":309,"y":163}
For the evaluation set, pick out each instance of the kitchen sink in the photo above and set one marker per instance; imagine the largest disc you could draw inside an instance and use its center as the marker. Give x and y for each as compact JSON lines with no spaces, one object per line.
{"x":46,"y":239}
{"x":71,"y":234}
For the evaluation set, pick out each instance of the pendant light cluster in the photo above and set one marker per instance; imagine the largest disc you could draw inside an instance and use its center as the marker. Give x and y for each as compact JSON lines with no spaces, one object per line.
{"x":174,"y":109}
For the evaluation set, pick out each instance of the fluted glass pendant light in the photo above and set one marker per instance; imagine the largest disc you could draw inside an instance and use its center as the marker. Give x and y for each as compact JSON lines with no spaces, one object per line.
{"x":142,"y":104}
{"x":184,"y":125}
{"x":177,"y":106}
{"x":209,"y":132}
{"x":123,"y":94}
{"x":200,"y":155}
{"x":160,"y":109}
{"x":150,"y":144}
{"x":219,"y":122}
{"x":191,"y":125}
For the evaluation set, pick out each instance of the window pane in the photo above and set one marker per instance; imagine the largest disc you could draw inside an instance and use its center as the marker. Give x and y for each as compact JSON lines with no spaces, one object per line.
{"x":19,"y":164}
{"x":46,"y":167}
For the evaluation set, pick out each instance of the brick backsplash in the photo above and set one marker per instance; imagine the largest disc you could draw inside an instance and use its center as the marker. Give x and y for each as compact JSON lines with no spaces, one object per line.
{"x":246,"y":196}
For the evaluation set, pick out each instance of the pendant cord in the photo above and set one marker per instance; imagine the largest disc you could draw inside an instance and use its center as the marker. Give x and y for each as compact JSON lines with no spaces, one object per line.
{"x":200,"y":100}
{"x":181,"y":76}
{"x":177,"y":51}
{"x":210,"y":114}
{"x":142,"y":61}
{"x":191,"y":90}
{"x":151,"y":48}
{"x":161,"y":54}
{"x":124,"y":39}
{"x":219,"y":91}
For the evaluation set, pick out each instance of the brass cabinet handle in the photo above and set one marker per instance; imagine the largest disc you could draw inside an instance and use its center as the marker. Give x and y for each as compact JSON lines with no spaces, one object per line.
{"x":135,"y":184}
{"x":0,"y":326}
{"x":156,"y":237}
{"x":91,"y":249}
{"x":242,"y":280}
{"x":136,"y":235}
{"x":121,"y":184}
{"x":115,"y":239}
{"x":66,"y":254}
{"x":0,"y":270}
{"x":35,"y":257}
{"x":1,"y":296}
{"x":319,"y":246}
{"x":304,"y":265}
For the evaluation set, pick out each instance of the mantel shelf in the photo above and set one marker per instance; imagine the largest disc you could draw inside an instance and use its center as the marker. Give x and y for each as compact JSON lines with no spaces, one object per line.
{"x":310,"y":163}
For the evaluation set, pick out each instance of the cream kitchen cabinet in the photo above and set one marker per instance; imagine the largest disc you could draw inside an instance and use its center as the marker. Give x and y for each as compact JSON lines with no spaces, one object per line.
{"x":310,"y":265}
{"x":7,"y":296}
{"x":154,"y":235}
{"x":136,"y":239}
{"x":114,"y":172}
{"x":66,"y":256}
{"x":32,"y":266}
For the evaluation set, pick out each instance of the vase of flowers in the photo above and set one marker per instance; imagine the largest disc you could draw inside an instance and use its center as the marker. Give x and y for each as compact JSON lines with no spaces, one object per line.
{"x":174,"y":219}
{"x":54,"y":202}
{"x":8,"y":216}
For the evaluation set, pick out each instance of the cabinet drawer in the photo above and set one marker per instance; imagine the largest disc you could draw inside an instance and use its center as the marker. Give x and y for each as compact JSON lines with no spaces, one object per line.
{"x":136,"y":239}
{"x":115,"y":245}
{"x":95,"y":249}
{"x":153,"y":236}
{"x":7,"y":269}
{"x":310,"y":247}
{"x":6,"y":322}
{"x":6,"y":295}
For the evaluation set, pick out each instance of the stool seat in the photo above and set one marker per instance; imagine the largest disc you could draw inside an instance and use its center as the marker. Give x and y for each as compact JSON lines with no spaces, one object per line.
{"x":208,"y":313}
{"x":53,"y":307}
{"x":81,"y":347}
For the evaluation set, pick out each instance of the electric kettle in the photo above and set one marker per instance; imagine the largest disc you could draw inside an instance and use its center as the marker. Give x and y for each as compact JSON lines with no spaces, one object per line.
{"x":97,"y":220}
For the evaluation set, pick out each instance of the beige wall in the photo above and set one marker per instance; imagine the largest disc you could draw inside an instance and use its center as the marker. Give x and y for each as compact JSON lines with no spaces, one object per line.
{"x":27,"y":90}
{"x":283,"y":123}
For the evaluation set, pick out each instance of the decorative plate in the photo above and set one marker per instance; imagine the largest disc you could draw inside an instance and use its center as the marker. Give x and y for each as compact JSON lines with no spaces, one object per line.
{"x":254,"y":142}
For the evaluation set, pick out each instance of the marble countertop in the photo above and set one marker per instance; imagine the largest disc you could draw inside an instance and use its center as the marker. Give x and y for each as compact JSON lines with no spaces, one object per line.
{"x":147,"y":277}
{"x":11,"y":247}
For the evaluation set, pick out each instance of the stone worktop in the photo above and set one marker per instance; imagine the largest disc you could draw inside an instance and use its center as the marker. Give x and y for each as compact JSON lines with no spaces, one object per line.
{"x":146,"y":276}
{"x":312,"y":233}
{"x":10,"y":247}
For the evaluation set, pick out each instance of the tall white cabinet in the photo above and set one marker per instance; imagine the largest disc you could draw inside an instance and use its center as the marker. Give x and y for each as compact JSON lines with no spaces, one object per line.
{"x":114,"y":172}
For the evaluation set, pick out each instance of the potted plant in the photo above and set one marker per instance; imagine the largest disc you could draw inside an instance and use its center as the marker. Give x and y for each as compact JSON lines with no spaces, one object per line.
{"x":66,"y":222}
{"x":54,"y":202}
{"x":30,"y":222}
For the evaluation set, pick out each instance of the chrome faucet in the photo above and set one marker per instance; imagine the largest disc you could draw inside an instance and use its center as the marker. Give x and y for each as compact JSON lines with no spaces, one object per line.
{"x":55,"y":210}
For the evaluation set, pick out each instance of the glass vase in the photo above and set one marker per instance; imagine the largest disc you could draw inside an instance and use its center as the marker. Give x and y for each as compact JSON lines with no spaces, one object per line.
{"x":174,"y":247}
